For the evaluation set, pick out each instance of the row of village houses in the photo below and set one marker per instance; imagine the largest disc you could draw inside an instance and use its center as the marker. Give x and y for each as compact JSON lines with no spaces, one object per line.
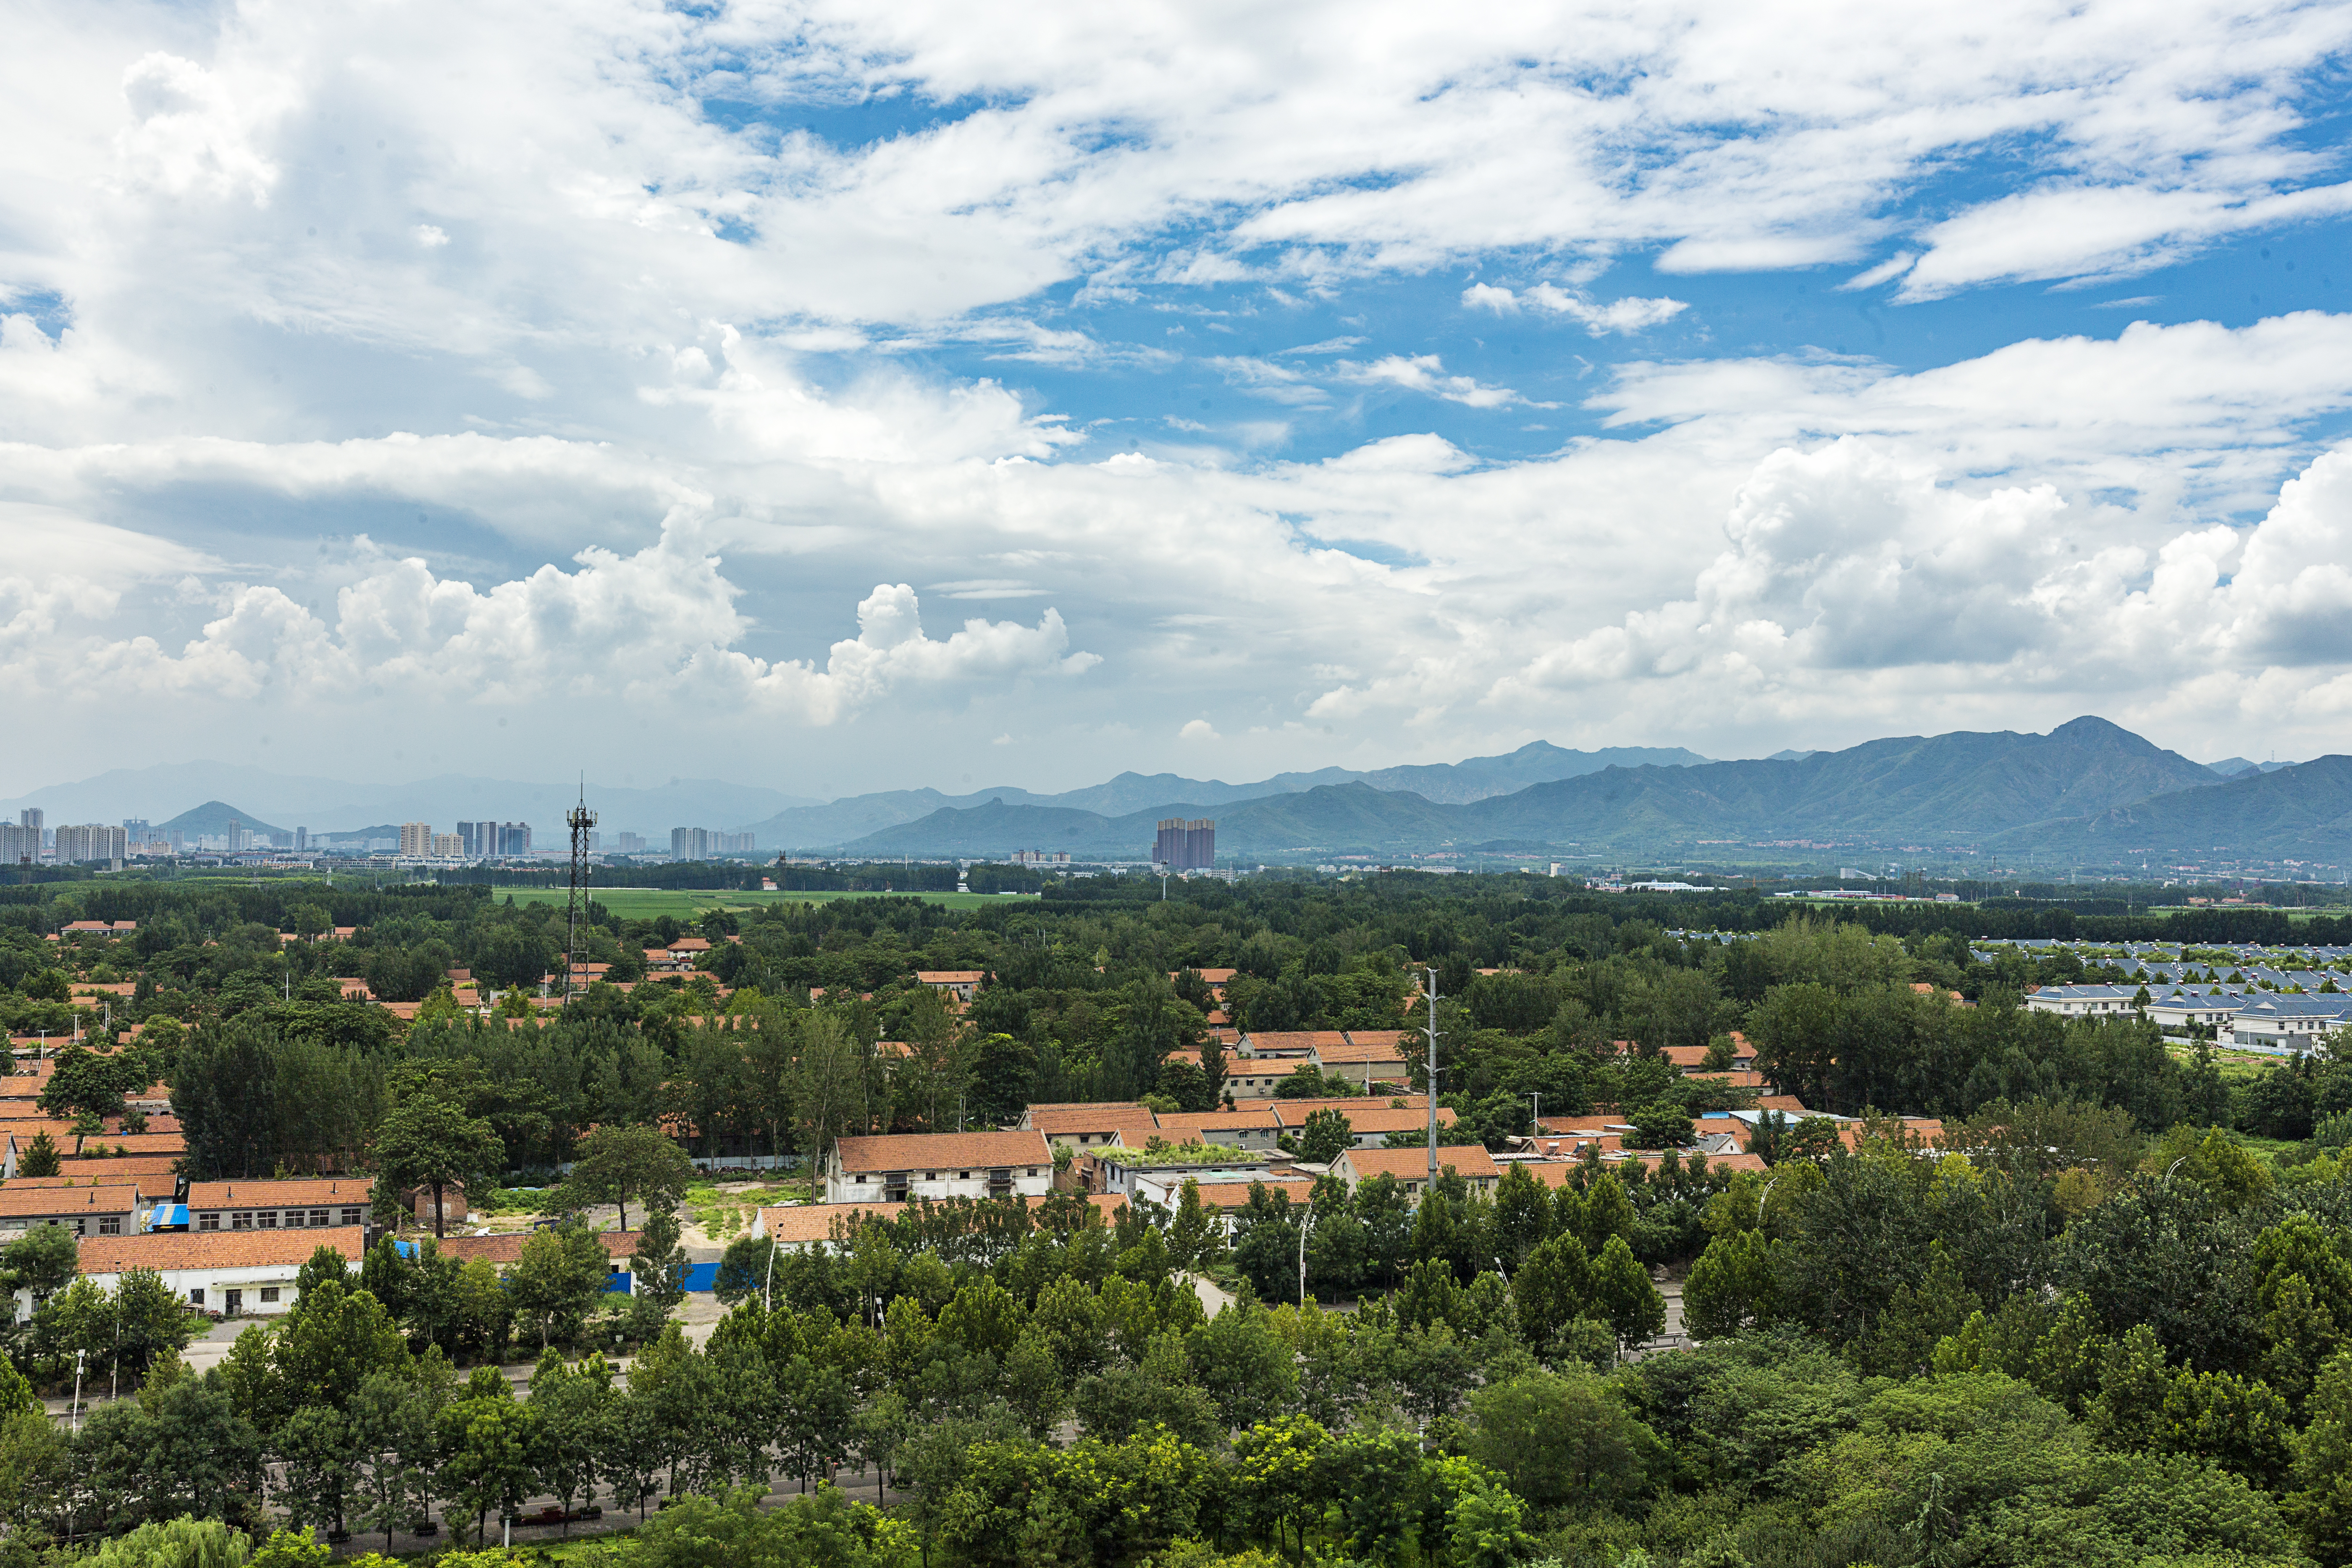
{"x":2242,"y":1016}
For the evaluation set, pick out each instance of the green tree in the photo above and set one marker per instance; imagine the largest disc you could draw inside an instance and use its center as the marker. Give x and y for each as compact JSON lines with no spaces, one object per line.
{"x":1560,"y":1439}
{"x":575,"y":1410}
{"x":1553,"y":1289}
{"x":557,"y":1280}
{"x":83,"y":1081}
{"x":1623,"y":1294}
{"x":428,"y":1141}
{"x":658,"y":1269}
{"x":1243,"y":1365}
{"x":334,"y":1340}
{"x":150,"y":1320}
{"x":2321,"y":1507}
{"x":40,"y":1158}
{"x":828,"y":1085}
{"x":43,"y":1261}
{"x":1034,"y":1384}
{"x":320,"y":1455}
{"x":1195,"y":1237}
{"x":182,"y":1543}
{"x":391,"y":1423}
{"x":1279,"y":1480}
{"x":617,"y":1164}
{"x":492,"y":1453}
{"x":1731,"y":1286}
{"x":1324,"y":1137}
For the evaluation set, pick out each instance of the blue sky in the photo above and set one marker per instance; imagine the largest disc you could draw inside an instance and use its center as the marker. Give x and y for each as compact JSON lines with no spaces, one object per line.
{"x":844,"y":399}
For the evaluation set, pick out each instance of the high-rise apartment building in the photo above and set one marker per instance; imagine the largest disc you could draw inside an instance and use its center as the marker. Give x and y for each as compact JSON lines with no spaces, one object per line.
{"x":514,"y":838}
{"x":92,"y":841}
{"x":629,"y":843}
{"x":447,"y":846}
{"x":415,"y":838}
{"x":19,"y":845}
{"x":690,"y":843}
{"x":238,"y":838}
{"x":138,"y":828}
{"x":1185,"y":846}
{"x":301,"y":838}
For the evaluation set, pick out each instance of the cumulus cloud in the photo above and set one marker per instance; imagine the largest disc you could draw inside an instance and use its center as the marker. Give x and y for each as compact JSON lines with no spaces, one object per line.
{"x":651,"y":628}
{"x":1844,"y":559}
{"x":1425,"y":374}
{"x":1622,"y":316}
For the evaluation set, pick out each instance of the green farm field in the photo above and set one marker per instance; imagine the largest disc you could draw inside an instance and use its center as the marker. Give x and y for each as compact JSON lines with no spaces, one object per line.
{"x":688,"y":903}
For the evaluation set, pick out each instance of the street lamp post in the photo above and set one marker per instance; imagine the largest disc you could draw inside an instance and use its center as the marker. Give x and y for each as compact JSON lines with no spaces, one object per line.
{"x":1304,"y":1226}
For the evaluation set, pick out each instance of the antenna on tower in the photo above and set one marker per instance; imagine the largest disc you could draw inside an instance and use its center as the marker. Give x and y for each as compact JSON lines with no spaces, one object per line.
{"x":580,"y":819}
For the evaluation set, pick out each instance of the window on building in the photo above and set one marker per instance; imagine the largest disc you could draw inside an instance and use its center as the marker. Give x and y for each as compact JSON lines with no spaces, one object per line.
{"x":266,"y":1219}
{"x":208,"y":1222}
{"x":318,"y":1219}
{"x":269,"y":1295}
{"x":240,"y":1222}
{"x":110,"y":1225}
{"x":196,"y":1297}
{"x":351,"y":1216}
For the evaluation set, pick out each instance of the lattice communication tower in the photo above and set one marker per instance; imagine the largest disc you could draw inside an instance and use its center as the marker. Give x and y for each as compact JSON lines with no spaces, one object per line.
{"x":580,"y":819}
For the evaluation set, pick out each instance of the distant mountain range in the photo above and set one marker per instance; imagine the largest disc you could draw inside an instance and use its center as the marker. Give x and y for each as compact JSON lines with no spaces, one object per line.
{"x":2297,"y":811}
{"x":2087,"y":792}
{"x":2000,"y":792}
{"x":1476,"y":778}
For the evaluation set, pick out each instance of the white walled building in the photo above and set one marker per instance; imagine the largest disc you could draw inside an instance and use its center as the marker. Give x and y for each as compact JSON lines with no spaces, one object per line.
{"x":897,"y":1167}
{"x":232,"y":1272}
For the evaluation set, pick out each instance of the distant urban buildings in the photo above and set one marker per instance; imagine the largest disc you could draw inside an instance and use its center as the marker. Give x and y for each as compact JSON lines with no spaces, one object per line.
{"x":702,"y":842}
{"x":92,"y":841}
{"x":629,"y":843}
{"x":1040,"y":857}
{"x":493,"y":840}
{"x":1186,"y":846}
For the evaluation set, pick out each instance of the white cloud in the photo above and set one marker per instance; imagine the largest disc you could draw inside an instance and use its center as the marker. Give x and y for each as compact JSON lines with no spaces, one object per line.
{"x":1426,"y":374}
{"x":1623,"y":316}
{"x":1199,"y":730}
{"x":645,"y":629}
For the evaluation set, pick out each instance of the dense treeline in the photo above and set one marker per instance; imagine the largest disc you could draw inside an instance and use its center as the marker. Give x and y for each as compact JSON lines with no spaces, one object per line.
{"x":2073,"y":1346}
{"x":274,"y":1066}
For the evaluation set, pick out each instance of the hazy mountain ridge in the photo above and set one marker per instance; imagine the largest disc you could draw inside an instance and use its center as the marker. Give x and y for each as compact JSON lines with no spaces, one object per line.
{"x":2295,"y":811}
{"x":1951,"y":789}
{"x":855,"y":817}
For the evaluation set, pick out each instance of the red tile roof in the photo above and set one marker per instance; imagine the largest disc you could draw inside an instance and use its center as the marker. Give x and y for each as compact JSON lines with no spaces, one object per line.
{"x":1469,"y":1161}
{"x":170,"y":1251}
{"x":506,"y":1246}
{"x":932,"y":1151}
{"x":17,"y":1199}
{"x":813,"y":1221}
{"x":325,"y":1192}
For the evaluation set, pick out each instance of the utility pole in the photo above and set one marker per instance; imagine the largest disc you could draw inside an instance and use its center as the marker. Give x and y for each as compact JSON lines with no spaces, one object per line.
{"x":579,"y":820}
{"x":1433,"y":1084}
